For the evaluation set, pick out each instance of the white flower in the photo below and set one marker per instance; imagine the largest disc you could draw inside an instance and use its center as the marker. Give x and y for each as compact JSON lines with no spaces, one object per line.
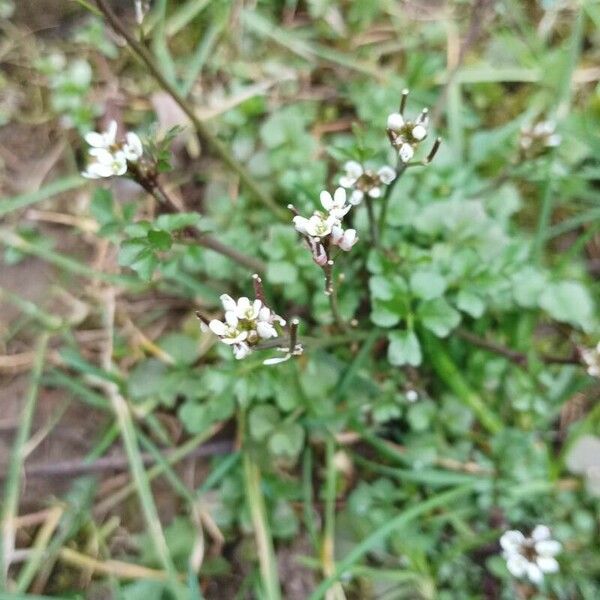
{"x":591,"y":357}
{"x":412,"y":395}
{"x":530,"y":556}
{"x":406,"y":135}
{"x":540,"y":136}
{"x":133,"y":148}
{"x":344,"y":239}
{"x":110,"y":157}
{"x":365,"y":181}
{"x":241,"y":350}
{"x":336,"y":206}
{"x":105,"y":139}
{"x":105,"y":164}
{"x":245,"y":324}
{"x":319,"y":225}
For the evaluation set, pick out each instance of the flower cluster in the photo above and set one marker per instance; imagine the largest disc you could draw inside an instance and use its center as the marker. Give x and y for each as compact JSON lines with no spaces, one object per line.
{"x":245,"y":324}
{"x":530,"y":556}
{"x":365,"y":181}
{"x":406,"y":135}
{"x":591,"y":358}
{"x":537,"y":138}
{"x":324,"y":229}
{"x":110,"y":157}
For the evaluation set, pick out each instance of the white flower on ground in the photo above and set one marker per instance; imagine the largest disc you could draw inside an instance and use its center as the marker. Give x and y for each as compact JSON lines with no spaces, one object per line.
{"x":109,"y":157}
{"x":245,"y":324}
{"x":365,"y":181}
{"x":406,"y":135}
{"x":537,"y":138}
{"x":344,"y":239}
{"x":531,"y":556}
{"x":412,"y":395}
{"x":591,"y":358}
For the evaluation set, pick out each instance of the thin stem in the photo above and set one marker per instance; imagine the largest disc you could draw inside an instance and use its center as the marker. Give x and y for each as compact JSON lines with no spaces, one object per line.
{"x":204,"y":239}
{"x":331,"y":292}
{"x":17,"y":459}
{"x":202,"y":130}
{"x":385,"y":201}
{"x":371,"y":217}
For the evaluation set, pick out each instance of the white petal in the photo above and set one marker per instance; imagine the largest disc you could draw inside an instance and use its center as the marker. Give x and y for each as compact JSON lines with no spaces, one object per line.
{"x":336,"y":234}
{"x":548,"y":564}
{"x":94,"y":139}
{"x":217,"y":327}
{"x":386,"y":175}
{"x":339,"y":197}
{"x":356,"y":197}
{"x":353,"y":169}
{"x":512,"y":540}
{"x":256,"y":305}
{"x":406,"y":152}
{"x":242,"y":350}
{"x":554,"y":140}
{"x":300,"y":224}
{"x":264,"y":314}
{"x":277,"y":360}
{"x":90,"y":174}
{"x":517,"y":565}
{"x":548,"y":547}
{"x":102,"y":155}
{"x":326,"y":200}
{"x":134,"y":146}
{"x":231,"y":319}
{"x":375,"y":192}
{"x":419,"y":132}
{"x":347,"y":182}
{"x":266,"y":330}
{"x":228,"y":302}
{"x":540,"y":532}
{"x":395,"y":121}
{"x":348,"y":240}
{"x":101,"y":170}
{"x":534,"y":573}
{"x":111,"y":133}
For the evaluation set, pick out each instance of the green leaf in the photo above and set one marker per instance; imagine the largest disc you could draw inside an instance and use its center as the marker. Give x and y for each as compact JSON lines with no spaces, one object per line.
{"x":178,"y":221}
{"x":160,"y":240}
{"x":438,"y":316}
{"x":130,"y":250}
{"x":528,"y":285}
{"x":102,"y":206}
{"x":183,"y":348}
{"x":262,"y":420}
{"x":404,"y":349}
{"x":569,"y":302}
{"x":281,"y":272}
{"x":384,"y":315}
{"x":470,"y":303}
{"x":287,"y":440}
{"x":427,"y":284}
{"x":144,"y":264}
{"x":381,"y":287}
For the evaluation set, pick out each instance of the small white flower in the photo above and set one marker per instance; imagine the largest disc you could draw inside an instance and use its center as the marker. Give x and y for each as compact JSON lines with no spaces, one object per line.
{"x":540,"y":136}
{"x":104,"y":139}
{"x":247,"y":310}
{"x":365,"y":181}
{"x":241,"y":350}
{"x":406,"y":152}
{"x":395,"y":122}
{"x":228,"y":331}
{"x":344,"y":239}
{"x":591,"y":357}
{"x":319,"y":225}
{"x":110,"y":157}
{"x":530,"y":556}
{"x":133,"y":148}
{"x":406,"y":135}
{"x":336,"y":206}
{"x":412,"y":396}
